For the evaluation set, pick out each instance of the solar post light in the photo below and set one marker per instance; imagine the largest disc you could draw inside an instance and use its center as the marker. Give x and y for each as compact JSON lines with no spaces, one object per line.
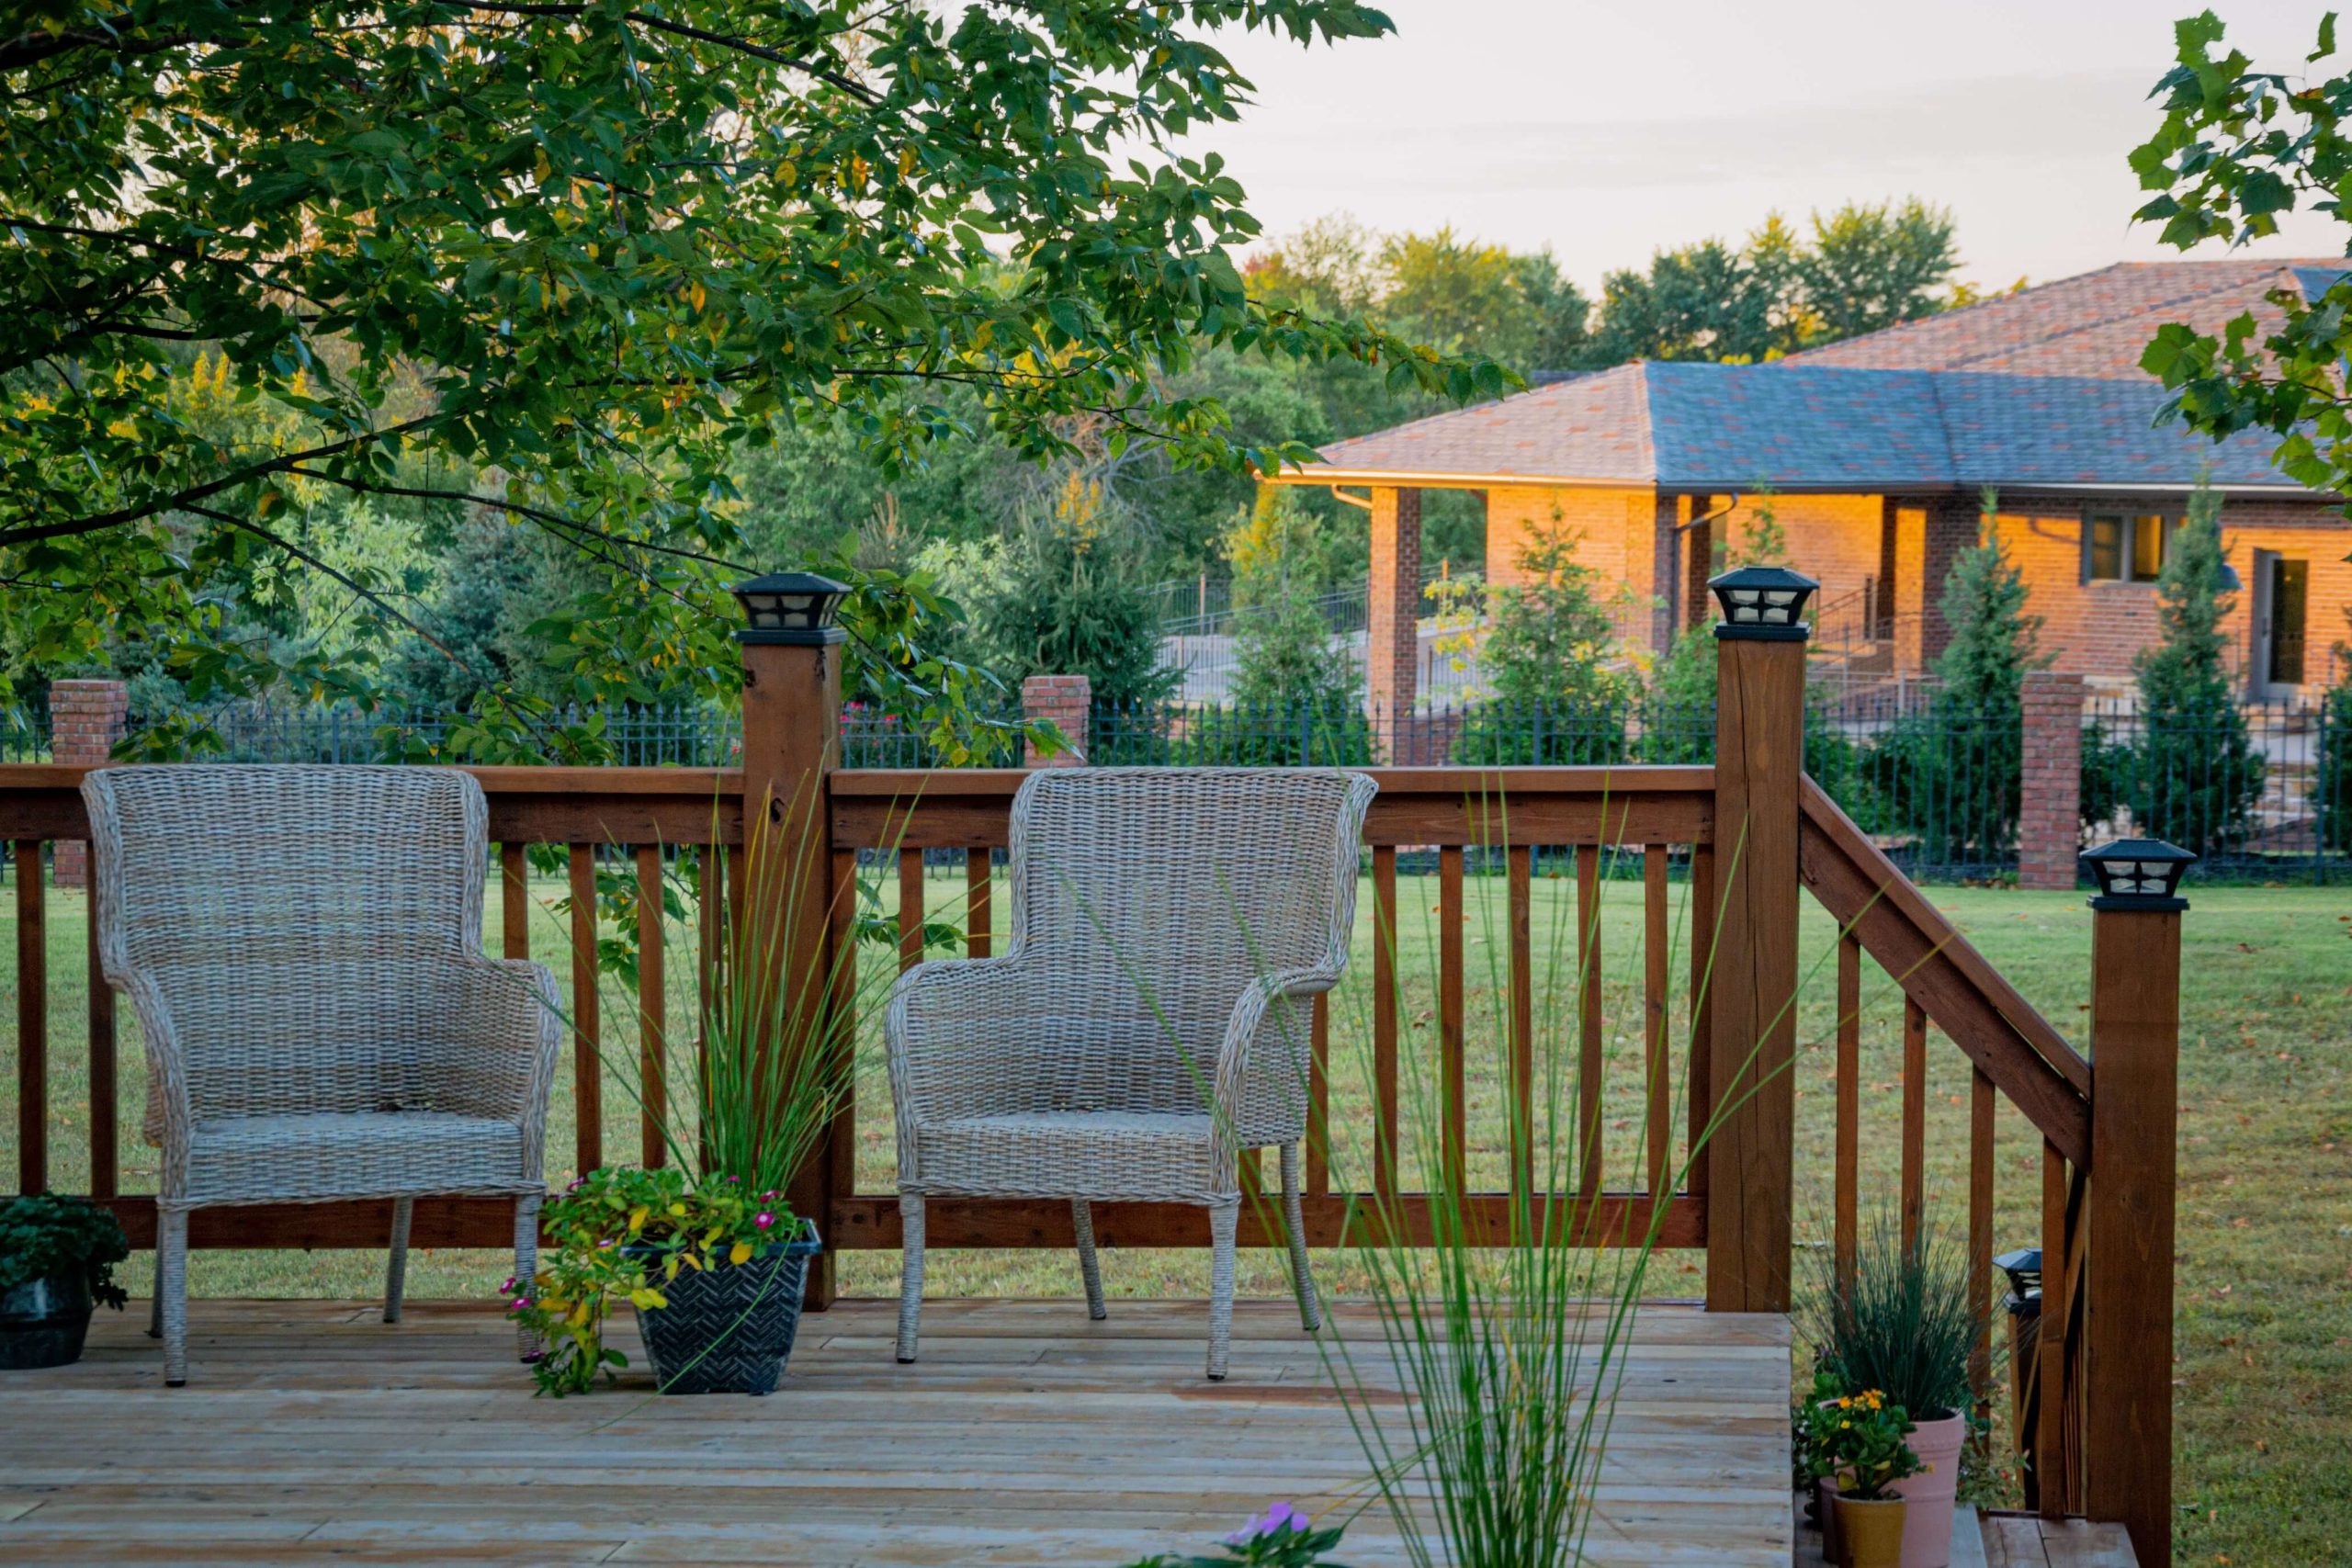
{"x":1762,"y":604}
{"x":2137,"y":874}
{"x":795,"y":608}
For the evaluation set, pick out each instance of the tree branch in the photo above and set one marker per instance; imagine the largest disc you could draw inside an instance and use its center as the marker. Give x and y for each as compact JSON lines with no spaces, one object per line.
{"x":185,"y":500}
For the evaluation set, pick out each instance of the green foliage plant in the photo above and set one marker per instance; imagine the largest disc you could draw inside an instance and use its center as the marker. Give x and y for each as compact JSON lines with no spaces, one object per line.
{"x":769,"y":1072}
{"x":42,"y":1235}
{"x":1905,"y":1324}
{"x":2240,"y":149}
{"x":1507,"y":1324}
{"x":1950,"y":775}
{"x":564,"y":264}
{"x":1285,"y":654}
{"x":2197,"y":777}
{"x":1072,"y":601}
{"x":1558,"y":690}
{"x":1860,"y":1442}
{"x":1282,"y":1537}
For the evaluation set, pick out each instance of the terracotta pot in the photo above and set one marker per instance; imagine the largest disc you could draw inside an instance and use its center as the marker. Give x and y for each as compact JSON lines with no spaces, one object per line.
{"x":1871,"y":1530}
{"x":1825,"y":1507}
{"x":1927,"y":1526}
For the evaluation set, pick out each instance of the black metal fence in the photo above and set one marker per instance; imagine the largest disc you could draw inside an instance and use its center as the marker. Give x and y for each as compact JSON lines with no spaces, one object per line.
{"x":2261,"y":791}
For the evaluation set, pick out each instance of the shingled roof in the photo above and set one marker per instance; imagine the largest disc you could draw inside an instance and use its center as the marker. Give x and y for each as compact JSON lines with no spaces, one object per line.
{"x":2038,"y":388}
{"x":2097,"y":324}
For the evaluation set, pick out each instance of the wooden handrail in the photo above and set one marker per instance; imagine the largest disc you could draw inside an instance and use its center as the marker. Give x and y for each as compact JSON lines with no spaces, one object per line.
{"x":961,"y":808}
{"x":1964,"y":995}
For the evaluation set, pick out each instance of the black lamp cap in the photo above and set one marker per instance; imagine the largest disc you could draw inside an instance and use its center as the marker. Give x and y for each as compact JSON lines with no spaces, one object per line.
{"x":2141,"y":875}
{"x":1761,"y":603}
{"x":794,"y":608}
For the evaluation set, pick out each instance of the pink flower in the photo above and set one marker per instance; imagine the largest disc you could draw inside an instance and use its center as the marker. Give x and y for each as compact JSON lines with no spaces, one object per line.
{"x":764,"y":1220}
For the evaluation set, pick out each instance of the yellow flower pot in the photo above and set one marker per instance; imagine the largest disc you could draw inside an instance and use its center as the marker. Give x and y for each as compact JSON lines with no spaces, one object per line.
{"x":1871,"y":1529}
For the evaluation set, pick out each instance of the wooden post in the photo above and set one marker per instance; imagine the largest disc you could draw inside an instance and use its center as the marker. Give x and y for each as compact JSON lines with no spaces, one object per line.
{"x":1760,"y":763}
{"x":2136,"y":1061}
{"x":792,"y":725}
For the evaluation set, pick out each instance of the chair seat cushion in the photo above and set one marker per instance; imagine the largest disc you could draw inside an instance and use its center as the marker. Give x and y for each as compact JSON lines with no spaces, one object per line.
{"x":366,"y":1154}
{"x":1106,"y":1155}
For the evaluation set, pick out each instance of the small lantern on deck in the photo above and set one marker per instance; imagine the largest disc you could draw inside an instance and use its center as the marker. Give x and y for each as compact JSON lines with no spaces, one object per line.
{"x":791,"y":607}
{"x":1762,"y":604}
{"x":2137,"y":874}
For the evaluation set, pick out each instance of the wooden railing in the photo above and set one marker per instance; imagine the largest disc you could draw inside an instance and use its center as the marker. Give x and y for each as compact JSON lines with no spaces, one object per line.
{"x":1745,"y":836}
{"x":1658,"y":817}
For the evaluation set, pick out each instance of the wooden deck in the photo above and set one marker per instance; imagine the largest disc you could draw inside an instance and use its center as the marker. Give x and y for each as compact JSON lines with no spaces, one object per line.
{"x":311,"y":1431}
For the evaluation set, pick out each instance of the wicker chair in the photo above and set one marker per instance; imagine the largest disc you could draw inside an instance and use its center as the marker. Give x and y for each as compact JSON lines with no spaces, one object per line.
{"x":1148,"y":1020}
{"x":304,"y":949}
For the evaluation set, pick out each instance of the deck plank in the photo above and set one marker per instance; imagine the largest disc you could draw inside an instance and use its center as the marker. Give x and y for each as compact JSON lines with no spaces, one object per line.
{"x":311,"y":1431}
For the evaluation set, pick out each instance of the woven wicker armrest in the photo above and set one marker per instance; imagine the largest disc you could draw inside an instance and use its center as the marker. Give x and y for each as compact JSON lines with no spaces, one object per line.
{"x":503,"y":1017}
{"x":1261,"y":1065}
{"x":958,"y":1038}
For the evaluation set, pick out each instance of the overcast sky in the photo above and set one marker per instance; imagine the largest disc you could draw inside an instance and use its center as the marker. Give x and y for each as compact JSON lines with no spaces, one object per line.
{"x":1608,"y":129}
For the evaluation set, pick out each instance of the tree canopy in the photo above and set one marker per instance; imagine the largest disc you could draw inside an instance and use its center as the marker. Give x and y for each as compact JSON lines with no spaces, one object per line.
{"x":2237,"y":150}
{"x":557,"y":264}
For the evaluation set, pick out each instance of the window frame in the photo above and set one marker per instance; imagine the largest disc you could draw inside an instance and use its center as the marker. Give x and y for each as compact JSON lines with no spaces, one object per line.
{"x":2128,"y":520}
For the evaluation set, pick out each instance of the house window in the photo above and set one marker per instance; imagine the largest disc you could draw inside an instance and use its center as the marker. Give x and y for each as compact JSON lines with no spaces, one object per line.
{"x":2125,"y":547}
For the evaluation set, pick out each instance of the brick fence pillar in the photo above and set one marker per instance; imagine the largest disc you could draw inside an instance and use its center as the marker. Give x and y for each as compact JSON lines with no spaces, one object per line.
{"x":1393,"y":633}
{"x":1065,"y":702}
{"x":2051,"y":788}
{"x":85,"y":720}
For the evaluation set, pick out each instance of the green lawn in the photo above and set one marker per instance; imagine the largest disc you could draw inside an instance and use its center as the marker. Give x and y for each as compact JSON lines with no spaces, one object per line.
{"x":2264,"y":1357}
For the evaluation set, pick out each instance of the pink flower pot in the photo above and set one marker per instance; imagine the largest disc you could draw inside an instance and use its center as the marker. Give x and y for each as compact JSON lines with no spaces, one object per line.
{"x":1927,"y":1522}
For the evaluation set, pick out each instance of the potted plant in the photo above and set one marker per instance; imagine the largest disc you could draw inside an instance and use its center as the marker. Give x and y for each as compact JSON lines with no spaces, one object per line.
{"x":1907,"y":1324}
{"x":705,"y":1248}
{"x":1860,"y":1441}
{"x":57,"y":1258}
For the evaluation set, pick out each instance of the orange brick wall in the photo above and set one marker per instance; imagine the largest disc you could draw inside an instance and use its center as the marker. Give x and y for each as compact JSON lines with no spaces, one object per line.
{"x":1833,"y":539}
{"x":2096,"y":628}
{"x":1618,"y":535}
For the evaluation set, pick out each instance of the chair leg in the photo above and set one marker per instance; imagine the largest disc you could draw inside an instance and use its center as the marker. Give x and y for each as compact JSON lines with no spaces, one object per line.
{"x":1225,"y":1223}
{"x":1302,"y":1280}
{"x":527,"y":1264}
{"x":910,"y":1273}
{"x":1081,"y":1219}
{"x":171,"y":1292}
{"x":396,"y":1270}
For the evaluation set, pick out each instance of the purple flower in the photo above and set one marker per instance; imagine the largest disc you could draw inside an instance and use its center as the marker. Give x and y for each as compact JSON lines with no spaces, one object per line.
{"x":734,"y":1179}
{"x":763,"y":1221}
{"x":522,"y":1301}
{"x":1278,"y":1519}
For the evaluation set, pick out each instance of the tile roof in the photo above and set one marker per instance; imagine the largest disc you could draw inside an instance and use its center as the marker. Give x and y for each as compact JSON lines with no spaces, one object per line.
{"x":2095,"y":324}
{"x":2043,"y":387}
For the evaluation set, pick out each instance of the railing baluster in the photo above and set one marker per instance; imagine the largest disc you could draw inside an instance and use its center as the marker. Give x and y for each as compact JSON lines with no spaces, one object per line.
{"x":1915,"y":1120}
{"x":840,"y":920}
{"x":1980,"y":1230}
{"x":2049,"y":1344}
{"x":1657,"y":1131}
{"x":1589,"y":1087}
{"x":911,"y":910}
{"x":1700,"y":1075}
{"x":106,"y":1156}
{"x":1848,"y":1159}
{"x":653,"y":1009}
{"x":1450,"y":1032}
{"x":514,"y":902}
{"x":32,"y":1022}
{"x":1384,"y":1018}
{"x":979,"y":894}
{"x":1317,"y":1180}
{"x":587,"y":1065}
{"x":1522,"y":863}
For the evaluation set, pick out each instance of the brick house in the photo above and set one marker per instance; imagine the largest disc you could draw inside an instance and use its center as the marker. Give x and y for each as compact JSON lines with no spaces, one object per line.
{"x":1873,"y":455}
